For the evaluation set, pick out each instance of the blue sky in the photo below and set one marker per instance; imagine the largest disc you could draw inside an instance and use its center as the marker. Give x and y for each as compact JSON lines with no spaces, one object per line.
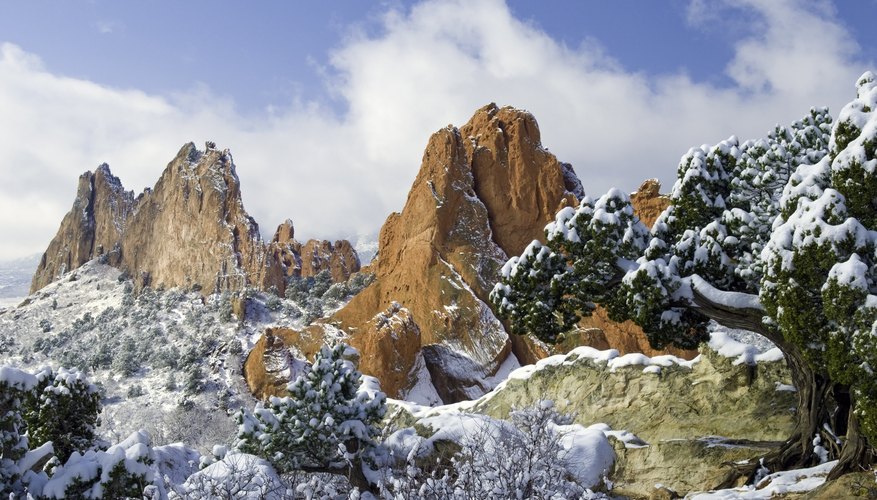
{"x":328,"y":105}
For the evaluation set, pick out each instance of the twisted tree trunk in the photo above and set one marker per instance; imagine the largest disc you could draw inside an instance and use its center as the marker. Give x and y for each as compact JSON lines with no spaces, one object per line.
{"x":821,"y":402}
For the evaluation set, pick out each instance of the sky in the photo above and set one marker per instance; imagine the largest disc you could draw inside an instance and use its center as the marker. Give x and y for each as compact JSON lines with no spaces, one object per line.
{"x":327,"y":106}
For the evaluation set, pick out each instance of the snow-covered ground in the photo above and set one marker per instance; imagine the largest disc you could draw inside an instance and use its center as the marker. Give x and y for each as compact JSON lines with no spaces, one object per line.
{"x":167,"y":361}
{"x":780,"y":483}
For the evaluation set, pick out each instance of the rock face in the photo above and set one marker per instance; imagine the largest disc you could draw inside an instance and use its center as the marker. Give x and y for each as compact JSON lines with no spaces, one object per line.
{"x":648,"y":202}
{"x":315,"y":256}
{"x":520,"y":184}
{"x":340,"y":259}
{"x":695,"y":419}
{"x":190,"y":230}
{"x":93,"y":227}
{"x":483,"y":192}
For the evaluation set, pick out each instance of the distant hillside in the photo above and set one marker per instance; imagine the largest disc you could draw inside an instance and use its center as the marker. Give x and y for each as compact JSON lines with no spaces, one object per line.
{"x":15,"y":278}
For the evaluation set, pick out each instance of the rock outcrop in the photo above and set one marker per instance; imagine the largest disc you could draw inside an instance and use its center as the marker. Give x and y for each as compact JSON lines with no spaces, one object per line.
{"x":313,"y":257}
{"x":437,"y":259}
{"x":340,"y":259}
{"x":696,"y":419}
{"x":648,"y":202}
{"x":521,"y":185}
{"x":192,"y":229}
{"x":93,"y":227}
{"x":279,"y":352}
{"x":189,"y":230}
{"x":483,"y":192}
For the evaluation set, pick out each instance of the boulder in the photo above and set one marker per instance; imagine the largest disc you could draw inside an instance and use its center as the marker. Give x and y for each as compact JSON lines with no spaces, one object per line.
{"x":277,"y":358}
{"x":695,"y":417}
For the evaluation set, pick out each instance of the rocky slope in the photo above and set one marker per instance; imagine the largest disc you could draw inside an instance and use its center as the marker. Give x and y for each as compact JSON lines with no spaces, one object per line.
{"x":191,"y":231}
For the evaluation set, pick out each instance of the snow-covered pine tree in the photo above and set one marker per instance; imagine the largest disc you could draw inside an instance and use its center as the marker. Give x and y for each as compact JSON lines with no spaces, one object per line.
{"x":52,"y":415}
{"x":326,"y":423}
{"x":14,"y":385}
{"x":799,"y":268}
{"x":63,"y":408}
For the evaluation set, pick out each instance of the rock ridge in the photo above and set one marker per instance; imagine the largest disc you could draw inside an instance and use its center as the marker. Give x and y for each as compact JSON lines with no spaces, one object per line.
{"x":190,"y":230}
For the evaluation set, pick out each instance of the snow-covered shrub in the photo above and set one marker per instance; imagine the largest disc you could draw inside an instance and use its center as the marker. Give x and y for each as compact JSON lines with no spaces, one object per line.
{"x":122,"y":471}
{"x":326,"y":423}
{"x":322,"y":282}
{"x":59,"y":411}
{"x":235,"y":475}
{"x":538,"y":455}
{"x":14,"y":385}
{"x":313,"y":310}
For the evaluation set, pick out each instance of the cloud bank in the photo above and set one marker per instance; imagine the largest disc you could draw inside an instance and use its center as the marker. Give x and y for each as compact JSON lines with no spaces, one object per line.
{"x":340,"y":175}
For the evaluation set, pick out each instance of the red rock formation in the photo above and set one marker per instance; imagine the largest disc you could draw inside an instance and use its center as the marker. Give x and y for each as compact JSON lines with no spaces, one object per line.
{"x":483,"y":189}
{"x":648,"y":202}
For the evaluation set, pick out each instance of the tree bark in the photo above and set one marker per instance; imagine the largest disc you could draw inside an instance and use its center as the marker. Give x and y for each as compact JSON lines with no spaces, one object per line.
{"x":855,"y":454}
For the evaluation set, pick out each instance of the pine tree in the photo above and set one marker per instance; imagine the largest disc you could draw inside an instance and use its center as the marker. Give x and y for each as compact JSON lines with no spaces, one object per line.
{"x":64,"y":408}
{"x":326,"y":423}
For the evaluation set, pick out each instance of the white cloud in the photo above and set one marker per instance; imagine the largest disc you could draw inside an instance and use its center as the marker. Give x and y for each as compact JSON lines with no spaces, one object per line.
{"x":433,"y":65}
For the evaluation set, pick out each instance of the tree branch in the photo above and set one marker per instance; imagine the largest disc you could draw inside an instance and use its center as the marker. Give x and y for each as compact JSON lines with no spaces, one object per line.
{"x":743,"y":312}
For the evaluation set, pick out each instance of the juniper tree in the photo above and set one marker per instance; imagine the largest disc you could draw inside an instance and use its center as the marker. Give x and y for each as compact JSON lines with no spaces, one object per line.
{"x":775,"y":236}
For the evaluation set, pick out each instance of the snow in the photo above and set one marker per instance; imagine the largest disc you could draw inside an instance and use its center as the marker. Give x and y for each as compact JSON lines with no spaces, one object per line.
{"x":733,"y":300}
{"x":853,"y":272}
{"x":238,"y":475}
{"x":727,"y":346}
{"x":17,"y":378}
{"x":97,"y":465}
{"x":586,"y":449}
{"x":779,"y":483}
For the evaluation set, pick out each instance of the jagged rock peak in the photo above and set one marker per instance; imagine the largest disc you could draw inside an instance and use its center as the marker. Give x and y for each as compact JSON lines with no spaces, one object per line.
{"x":483,"y":192}
{"x":521,"y":184}
{"x":189,"y":230}
{"x":285,"y":232}
{"x":93,"y":227}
